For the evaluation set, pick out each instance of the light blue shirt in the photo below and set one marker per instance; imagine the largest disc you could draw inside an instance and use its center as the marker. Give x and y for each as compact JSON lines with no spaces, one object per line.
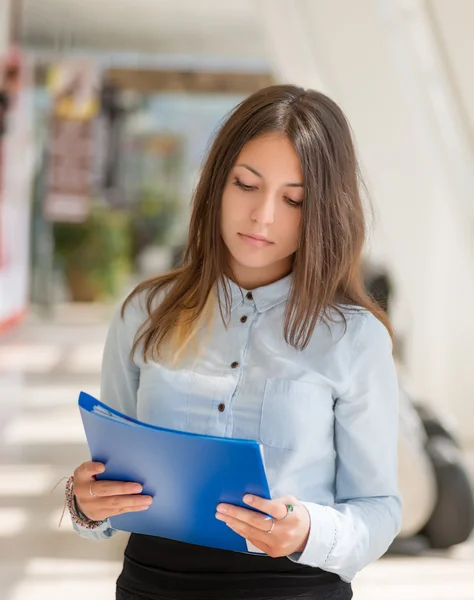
{"x":327,"y":416}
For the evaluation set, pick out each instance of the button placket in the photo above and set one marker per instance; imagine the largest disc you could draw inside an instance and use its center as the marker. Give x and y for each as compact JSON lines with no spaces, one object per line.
{"x":222,"y":407}
{"x":245,"y":318}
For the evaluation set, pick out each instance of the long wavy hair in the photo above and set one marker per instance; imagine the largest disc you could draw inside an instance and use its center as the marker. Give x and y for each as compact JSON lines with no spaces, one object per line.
{"x":327,"y":265}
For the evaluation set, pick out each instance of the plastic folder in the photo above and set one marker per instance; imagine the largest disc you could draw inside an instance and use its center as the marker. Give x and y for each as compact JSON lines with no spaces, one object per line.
{"x":187,"y":474}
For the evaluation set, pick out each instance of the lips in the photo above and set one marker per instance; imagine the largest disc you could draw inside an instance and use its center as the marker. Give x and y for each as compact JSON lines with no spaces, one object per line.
{"x":255,"y":240}
{"x":260,"y":238}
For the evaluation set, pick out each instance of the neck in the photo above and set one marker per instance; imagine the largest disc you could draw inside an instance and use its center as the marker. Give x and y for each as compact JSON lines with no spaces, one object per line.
{"x":250,"y":279}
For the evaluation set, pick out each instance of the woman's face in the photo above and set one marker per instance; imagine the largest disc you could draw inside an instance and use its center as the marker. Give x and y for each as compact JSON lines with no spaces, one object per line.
{"x":261,"y":210}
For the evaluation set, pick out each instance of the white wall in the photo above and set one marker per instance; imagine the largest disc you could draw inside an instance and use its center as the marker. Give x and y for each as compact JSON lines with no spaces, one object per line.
{"x":4,"y":24}
{"x":354,"y":52}
{"x":453,"y":24}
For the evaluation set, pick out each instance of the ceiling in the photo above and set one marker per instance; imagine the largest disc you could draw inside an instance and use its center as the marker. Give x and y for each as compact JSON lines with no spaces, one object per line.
{"x":223,"y":30}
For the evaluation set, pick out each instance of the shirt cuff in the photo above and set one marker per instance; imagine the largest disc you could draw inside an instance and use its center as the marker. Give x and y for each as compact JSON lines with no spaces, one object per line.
{"x":321,"y":539}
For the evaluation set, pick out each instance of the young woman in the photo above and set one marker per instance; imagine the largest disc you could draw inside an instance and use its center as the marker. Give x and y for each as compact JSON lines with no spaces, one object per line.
{"x":265,"y":333}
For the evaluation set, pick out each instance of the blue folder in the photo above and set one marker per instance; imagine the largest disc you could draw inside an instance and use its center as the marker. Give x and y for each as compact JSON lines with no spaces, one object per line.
{"x":187,"y":474}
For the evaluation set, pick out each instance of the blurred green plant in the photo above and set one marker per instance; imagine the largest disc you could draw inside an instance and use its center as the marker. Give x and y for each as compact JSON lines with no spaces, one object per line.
{"x":152,"y":218}
{"x":95,"y":254}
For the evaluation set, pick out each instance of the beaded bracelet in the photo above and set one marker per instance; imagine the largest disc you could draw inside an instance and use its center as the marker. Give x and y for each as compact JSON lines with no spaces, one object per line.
{"x":76,"y":516}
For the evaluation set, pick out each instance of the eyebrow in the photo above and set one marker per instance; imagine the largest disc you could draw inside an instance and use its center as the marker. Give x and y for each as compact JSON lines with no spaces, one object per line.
{"x":252,"y":170}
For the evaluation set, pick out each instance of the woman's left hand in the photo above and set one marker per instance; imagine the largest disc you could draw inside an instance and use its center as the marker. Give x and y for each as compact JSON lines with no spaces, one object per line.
{"x":287,"y":533}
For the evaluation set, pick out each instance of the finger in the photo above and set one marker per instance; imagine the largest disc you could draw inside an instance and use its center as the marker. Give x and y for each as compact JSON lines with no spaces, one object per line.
{"x":88,"y":470}
{"x":98,"y":509}
{"x":106,"y":514}
{"x":114,"y":488}
{"x":259,"y":526}
{"x":244,"y":515}
{"x":118,"y":502}
{"x":268,"y":543}
{"x":260,"y":538}
{"x":259,"y":529}
{"x":258,"y":541}
{"x":276,"y":508}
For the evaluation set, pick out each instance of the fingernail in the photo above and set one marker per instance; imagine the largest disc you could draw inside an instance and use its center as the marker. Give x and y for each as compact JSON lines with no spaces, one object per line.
{"x":100,"y":469}
{"x":222,"y":509}
{"x":248,"y":499}
{"x":137,"y":488}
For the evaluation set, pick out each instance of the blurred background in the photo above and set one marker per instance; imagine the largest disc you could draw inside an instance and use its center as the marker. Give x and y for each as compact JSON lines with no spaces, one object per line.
{"x":106,"y":110}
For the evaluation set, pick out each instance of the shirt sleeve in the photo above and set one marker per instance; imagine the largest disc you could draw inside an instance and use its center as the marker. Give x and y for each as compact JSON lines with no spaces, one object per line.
{"x":366,"y":515}
{"x":119,"y":382}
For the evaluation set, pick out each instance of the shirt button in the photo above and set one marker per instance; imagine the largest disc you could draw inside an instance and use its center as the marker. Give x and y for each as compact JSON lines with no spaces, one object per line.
{"x":243,"y":319}
{"x":235,"y":364}
{"x":249,"y":296}
{"x":221,"y":407}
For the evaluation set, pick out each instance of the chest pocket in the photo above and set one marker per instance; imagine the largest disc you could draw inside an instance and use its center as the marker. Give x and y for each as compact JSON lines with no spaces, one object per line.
{"x":178,"y":399}
{"x":296,"y":415}
{"x":164,"y":396}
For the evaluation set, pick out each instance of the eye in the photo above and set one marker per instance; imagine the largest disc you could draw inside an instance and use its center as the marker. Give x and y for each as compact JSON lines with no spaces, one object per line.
{"x":294,"y":203}
{"x":242,"y":186}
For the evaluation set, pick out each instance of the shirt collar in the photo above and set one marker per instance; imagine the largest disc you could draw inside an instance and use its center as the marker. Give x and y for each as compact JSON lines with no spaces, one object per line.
{"x":264,"y":297}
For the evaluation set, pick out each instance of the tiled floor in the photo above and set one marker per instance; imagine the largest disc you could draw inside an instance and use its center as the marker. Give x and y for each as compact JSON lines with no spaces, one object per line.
{"x":42,"y":369}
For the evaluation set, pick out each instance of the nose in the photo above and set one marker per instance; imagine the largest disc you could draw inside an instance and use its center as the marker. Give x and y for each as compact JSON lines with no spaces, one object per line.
{"x":263,"y":212}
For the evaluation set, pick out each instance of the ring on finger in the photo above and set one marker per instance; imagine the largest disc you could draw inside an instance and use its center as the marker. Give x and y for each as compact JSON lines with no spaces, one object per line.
{"x":271,"y":528}
{"x":289,"y":509}
{"x":90,"y":490}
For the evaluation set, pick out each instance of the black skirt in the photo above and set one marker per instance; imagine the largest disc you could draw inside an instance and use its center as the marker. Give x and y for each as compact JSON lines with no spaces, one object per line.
{"x":159,"y":569}
{"x":337,"y":595}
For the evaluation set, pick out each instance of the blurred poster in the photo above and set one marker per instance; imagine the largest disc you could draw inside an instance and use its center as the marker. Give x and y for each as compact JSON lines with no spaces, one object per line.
{"x":9,"y":74}
{"x":71,"y":181}
{"x":111,"y":124}
{"x":16,"y":172}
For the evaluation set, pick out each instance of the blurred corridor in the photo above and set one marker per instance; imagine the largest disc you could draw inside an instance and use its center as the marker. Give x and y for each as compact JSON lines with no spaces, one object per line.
{"x":43,"y":366}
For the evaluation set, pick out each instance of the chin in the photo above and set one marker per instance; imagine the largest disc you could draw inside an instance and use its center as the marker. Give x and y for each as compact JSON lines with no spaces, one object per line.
{"x":260,"y":258}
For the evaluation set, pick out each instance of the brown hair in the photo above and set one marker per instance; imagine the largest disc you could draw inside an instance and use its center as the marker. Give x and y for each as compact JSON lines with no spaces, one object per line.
{"x":327,"y":265}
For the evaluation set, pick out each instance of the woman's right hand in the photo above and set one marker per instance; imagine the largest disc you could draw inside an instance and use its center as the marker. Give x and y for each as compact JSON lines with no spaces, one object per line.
{"x":110,"y":497}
